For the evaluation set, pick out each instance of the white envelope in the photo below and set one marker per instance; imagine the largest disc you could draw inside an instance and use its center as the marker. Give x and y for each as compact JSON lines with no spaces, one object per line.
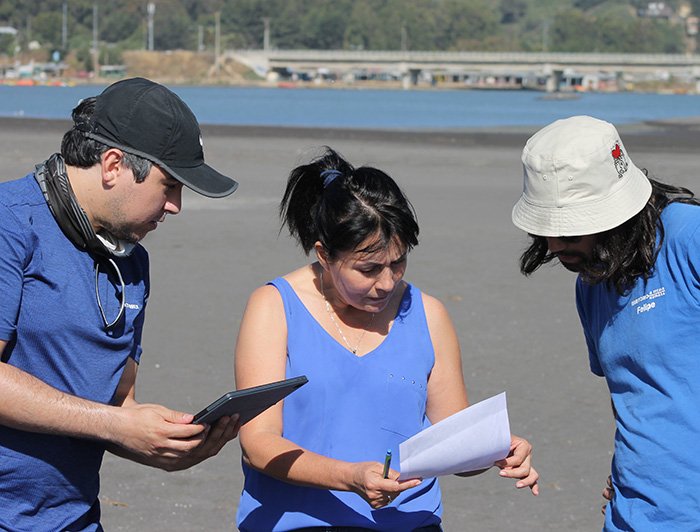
{"x":469,"y":440}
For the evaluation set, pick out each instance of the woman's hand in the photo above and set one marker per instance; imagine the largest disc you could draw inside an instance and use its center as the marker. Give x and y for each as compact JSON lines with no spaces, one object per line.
{"x":368,"y":483}
{"x":518,"y":465}
{"x":608,"y":494}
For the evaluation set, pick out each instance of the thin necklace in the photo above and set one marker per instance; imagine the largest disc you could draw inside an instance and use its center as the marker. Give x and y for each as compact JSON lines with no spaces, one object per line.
{"x":328,"y":309}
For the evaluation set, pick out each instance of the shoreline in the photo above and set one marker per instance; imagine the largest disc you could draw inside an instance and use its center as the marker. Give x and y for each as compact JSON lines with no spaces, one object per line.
{"x":185,"y":81}
{"x":680,"y":135}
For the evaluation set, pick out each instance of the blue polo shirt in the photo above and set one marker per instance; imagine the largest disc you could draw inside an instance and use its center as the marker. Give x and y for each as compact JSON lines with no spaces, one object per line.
{"x":50,"y":319}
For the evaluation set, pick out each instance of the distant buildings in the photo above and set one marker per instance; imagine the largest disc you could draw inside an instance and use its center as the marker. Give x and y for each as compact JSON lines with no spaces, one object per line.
{"x":657,"y":10}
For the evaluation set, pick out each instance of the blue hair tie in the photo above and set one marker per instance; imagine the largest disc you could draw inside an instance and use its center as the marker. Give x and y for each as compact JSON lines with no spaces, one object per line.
{"x":329,"y":175}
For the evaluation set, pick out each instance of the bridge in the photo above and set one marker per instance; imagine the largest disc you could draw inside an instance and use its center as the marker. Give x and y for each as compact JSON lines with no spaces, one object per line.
{"x":549,"y":67}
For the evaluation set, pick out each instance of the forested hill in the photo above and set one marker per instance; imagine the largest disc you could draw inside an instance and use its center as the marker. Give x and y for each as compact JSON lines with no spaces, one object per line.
{"x":445,"y":25}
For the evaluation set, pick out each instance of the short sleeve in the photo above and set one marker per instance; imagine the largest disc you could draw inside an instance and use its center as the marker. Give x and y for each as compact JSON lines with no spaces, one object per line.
{"x":143,"y":260}
{"x":13,"y":260}
{"x":693,"y":257}
{"x":138,"y":334}
{"x":582,"y":307}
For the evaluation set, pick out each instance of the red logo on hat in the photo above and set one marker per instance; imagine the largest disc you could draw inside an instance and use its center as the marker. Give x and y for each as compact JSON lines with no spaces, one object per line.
{"x":620,"y":160}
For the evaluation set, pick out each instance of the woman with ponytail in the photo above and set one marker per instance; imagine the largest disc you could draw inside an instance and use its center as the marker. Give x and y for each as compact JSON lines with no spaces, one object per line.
{"x":382,"y":359}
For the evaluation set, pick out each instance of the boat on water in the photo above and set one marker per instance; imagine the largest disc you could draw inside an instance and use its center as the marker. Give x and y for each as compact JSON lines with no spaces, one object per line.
{"x":560,"y":96}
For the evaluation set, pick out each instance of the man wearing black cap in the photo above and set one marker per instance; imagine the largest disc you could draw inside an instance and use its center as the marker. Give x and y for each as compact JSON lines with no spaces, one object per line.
{"x":74,"y":283}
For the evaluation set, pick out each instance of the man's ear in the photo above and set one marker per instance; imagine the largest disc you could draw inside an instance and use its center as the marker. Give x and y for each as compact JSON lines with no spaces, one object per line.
{"x":112,"y":166}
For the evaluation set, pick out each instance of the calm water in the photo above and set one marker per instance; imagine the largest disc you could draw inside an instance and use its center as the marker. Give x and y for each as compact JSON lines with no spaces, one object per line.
{"x":371,"y":108}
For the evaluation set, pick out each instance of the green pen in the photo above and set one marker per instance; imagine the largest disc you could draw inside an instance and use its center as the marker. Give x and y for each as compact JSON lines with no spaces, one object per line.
{"x":387,"y":463}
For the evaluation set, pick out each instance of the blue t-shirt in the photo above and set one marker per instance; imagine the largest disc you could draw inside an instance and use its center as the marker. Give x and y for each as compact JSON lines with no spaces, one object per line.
{"x":50,"y":318}
{"x":647,"y":346}
{"x":353,"y":409}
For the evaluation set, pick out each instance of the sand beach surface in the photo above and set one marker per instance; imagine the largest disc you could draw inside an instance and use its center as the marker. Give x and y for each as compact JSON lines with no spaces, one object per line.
{"x":518,"y":335}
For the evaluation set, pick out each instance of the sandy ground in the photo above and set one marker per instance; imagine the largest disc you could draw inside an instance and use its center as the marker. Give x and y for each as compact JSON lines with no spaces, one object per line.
{"x":517,"y":335}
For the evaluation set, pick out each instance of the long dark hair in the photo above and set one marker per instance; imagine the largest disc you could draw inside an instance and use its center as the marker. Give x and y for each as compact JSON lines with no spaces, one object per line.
{"x":623,"y":254}
{"x":330,"y":201}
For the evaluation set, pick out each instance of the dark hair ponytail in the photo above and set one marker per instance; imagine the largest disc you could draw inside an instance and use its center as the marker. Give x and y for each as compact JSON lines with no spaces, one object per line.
{"x":330,"y":201}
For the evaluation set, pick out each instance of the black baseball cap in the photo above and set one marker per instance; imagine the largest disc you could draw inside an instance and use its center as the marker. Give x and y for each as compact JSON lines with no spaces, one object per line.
{"x":146,"y":119}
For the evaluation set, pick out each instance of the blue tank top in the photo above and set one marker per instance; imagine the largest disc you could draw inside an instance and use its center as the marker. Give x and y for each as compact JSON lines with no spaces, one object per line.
{"x":353,"y":409}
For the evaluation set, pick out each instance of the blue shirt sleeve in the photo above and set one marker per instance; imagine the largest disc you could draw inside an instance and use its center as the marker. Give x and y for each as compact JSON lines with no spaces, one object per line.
{"x":693,"y":258}
{"x":140,"y":319}
{"x":581,"y":306}
{"x":13,"y":259}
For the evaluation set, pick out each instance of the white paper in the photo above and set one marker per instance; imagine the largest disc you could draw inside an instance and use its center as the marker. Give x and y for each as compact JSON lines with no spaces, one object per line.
{"x":469,"y":440}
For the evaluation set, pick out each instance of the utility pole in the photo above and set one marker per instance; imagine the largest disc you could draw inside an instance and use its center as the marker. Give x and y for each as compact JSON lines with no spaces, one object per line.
{"x":200,"y":38}
{"x":217,"y":43}
{"x":404,"y":37}
{"x":151,"y":8}
{"x":95,"y":51}
{"x":64,"y":28}
{"x":266,"y":34}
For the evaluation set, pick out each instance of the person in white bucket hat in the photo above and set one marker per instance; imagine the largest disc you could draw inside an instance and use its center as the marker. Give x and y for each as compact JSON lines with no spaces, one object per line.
{"x":635,"y":244}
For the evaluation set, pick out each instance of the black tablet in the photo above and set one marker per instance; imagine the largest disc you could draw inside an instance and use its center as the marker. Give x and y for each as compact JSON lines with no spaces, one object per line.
{"x":249,"y":402}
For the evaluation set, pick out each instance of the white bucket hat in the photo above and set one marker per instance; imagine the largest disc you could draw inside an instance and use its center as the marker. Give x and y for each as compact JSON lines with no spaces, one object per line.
{"x":578,"y":180}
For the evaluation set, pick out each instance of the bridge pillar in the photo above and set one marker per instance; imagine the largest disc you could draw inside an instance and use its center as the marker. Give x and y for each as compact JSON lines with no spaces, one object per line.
{"x":409,"y":77}
{"x":554,"y":80}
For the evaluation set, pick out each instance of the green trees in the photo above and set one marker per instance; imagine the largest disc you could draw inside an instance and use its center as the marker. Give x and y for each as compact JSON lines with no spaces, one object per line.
{"x":46,"y":28}
{"x":447,"y":25}
{"x":614,"y":31}
{"x":695,"y":7}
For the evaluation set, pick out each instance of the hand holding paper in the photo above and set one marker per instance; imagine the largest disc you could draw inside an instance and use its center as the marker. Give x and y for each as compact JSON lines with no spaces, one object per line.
{"x":470,"y":440}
